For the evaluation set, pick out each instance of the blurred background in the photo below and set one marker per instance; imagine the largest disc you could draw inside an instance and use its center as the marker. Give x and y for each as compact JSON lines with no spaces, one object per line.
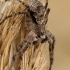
{"x":59,"y":25}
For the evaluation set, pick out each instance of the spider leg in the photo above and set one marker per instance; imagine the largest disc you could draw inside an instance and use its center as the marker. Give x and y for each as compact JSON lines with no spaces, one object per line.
{"x":18,"y":13}
{"x":51,"y":40}
{"x":22,"y":3}
{"x":51,"y":35}
{"x":50,"y":52}
{"x":29,"y":39}
{"x":48,"y":36}
{"x":46,"y":15}
{"x":51,"y":47}
{"x":46,"y":4}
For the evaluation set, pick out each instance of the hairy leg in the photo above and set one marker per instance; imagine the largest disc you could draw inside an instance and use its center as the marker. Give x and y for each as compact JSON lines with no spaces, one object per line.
{"x":46,"y":15}
{"x":46,"y":4}
{"x":49,"y":37}
{"x":22,"y":3}
{"x":18,"y":13}
{"x":29,"y":39}
{"x":51,"y":41}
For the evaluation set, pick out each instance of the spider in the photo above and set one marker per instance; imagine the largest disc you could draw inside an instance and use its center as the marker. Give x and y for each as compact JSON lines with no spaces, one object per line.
{"x":36,"y":17}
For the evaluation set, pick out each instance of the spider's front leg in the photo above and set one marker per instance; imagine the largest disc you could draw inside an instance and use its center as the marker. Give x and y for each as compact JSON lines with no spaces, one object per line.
{"x":14,"y":14}
{"x":23,"y":3}
{"x":29,"y":39}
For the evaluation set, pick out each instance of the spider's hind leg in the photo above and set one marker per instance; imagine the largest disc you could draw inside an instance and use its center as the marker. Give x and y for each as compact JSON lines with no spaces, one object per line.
{"x":50,"y":35}
{"x":51,"y":41}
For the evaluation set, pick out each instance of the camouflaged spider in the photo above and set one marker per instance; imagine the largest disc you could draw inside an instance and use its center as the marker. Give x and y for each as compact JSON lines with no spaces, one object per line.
{"x":36,"y":17}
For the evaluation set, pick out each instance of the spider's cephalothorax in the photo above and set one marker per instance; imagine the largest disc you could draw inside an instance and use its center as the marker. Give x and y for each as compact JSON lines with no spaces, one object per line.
{"x":39,"y":11}
{"x":36,"y":17}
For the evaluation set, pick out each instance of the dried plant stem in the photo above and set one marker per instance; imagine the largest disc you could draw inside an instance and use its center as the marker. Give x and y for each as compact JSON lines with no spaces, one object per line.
{"x":12,"y":32}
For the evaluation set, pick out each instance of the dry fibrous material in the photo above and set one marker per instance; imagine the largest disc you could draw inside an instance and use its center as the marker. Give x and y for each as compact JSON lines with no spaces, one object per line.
{"x":12,"y":33}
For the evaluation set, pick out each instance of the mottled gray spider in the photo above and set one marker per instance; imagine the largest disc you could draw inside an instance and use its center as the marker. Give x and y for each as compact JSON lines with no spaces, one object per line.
{"x":36,"y":17}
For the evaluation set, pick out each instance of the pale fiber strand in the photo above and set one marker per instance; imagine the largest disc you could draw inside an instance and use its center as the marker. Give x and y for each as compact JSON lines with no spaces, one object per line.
{"x":12,"y":36}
